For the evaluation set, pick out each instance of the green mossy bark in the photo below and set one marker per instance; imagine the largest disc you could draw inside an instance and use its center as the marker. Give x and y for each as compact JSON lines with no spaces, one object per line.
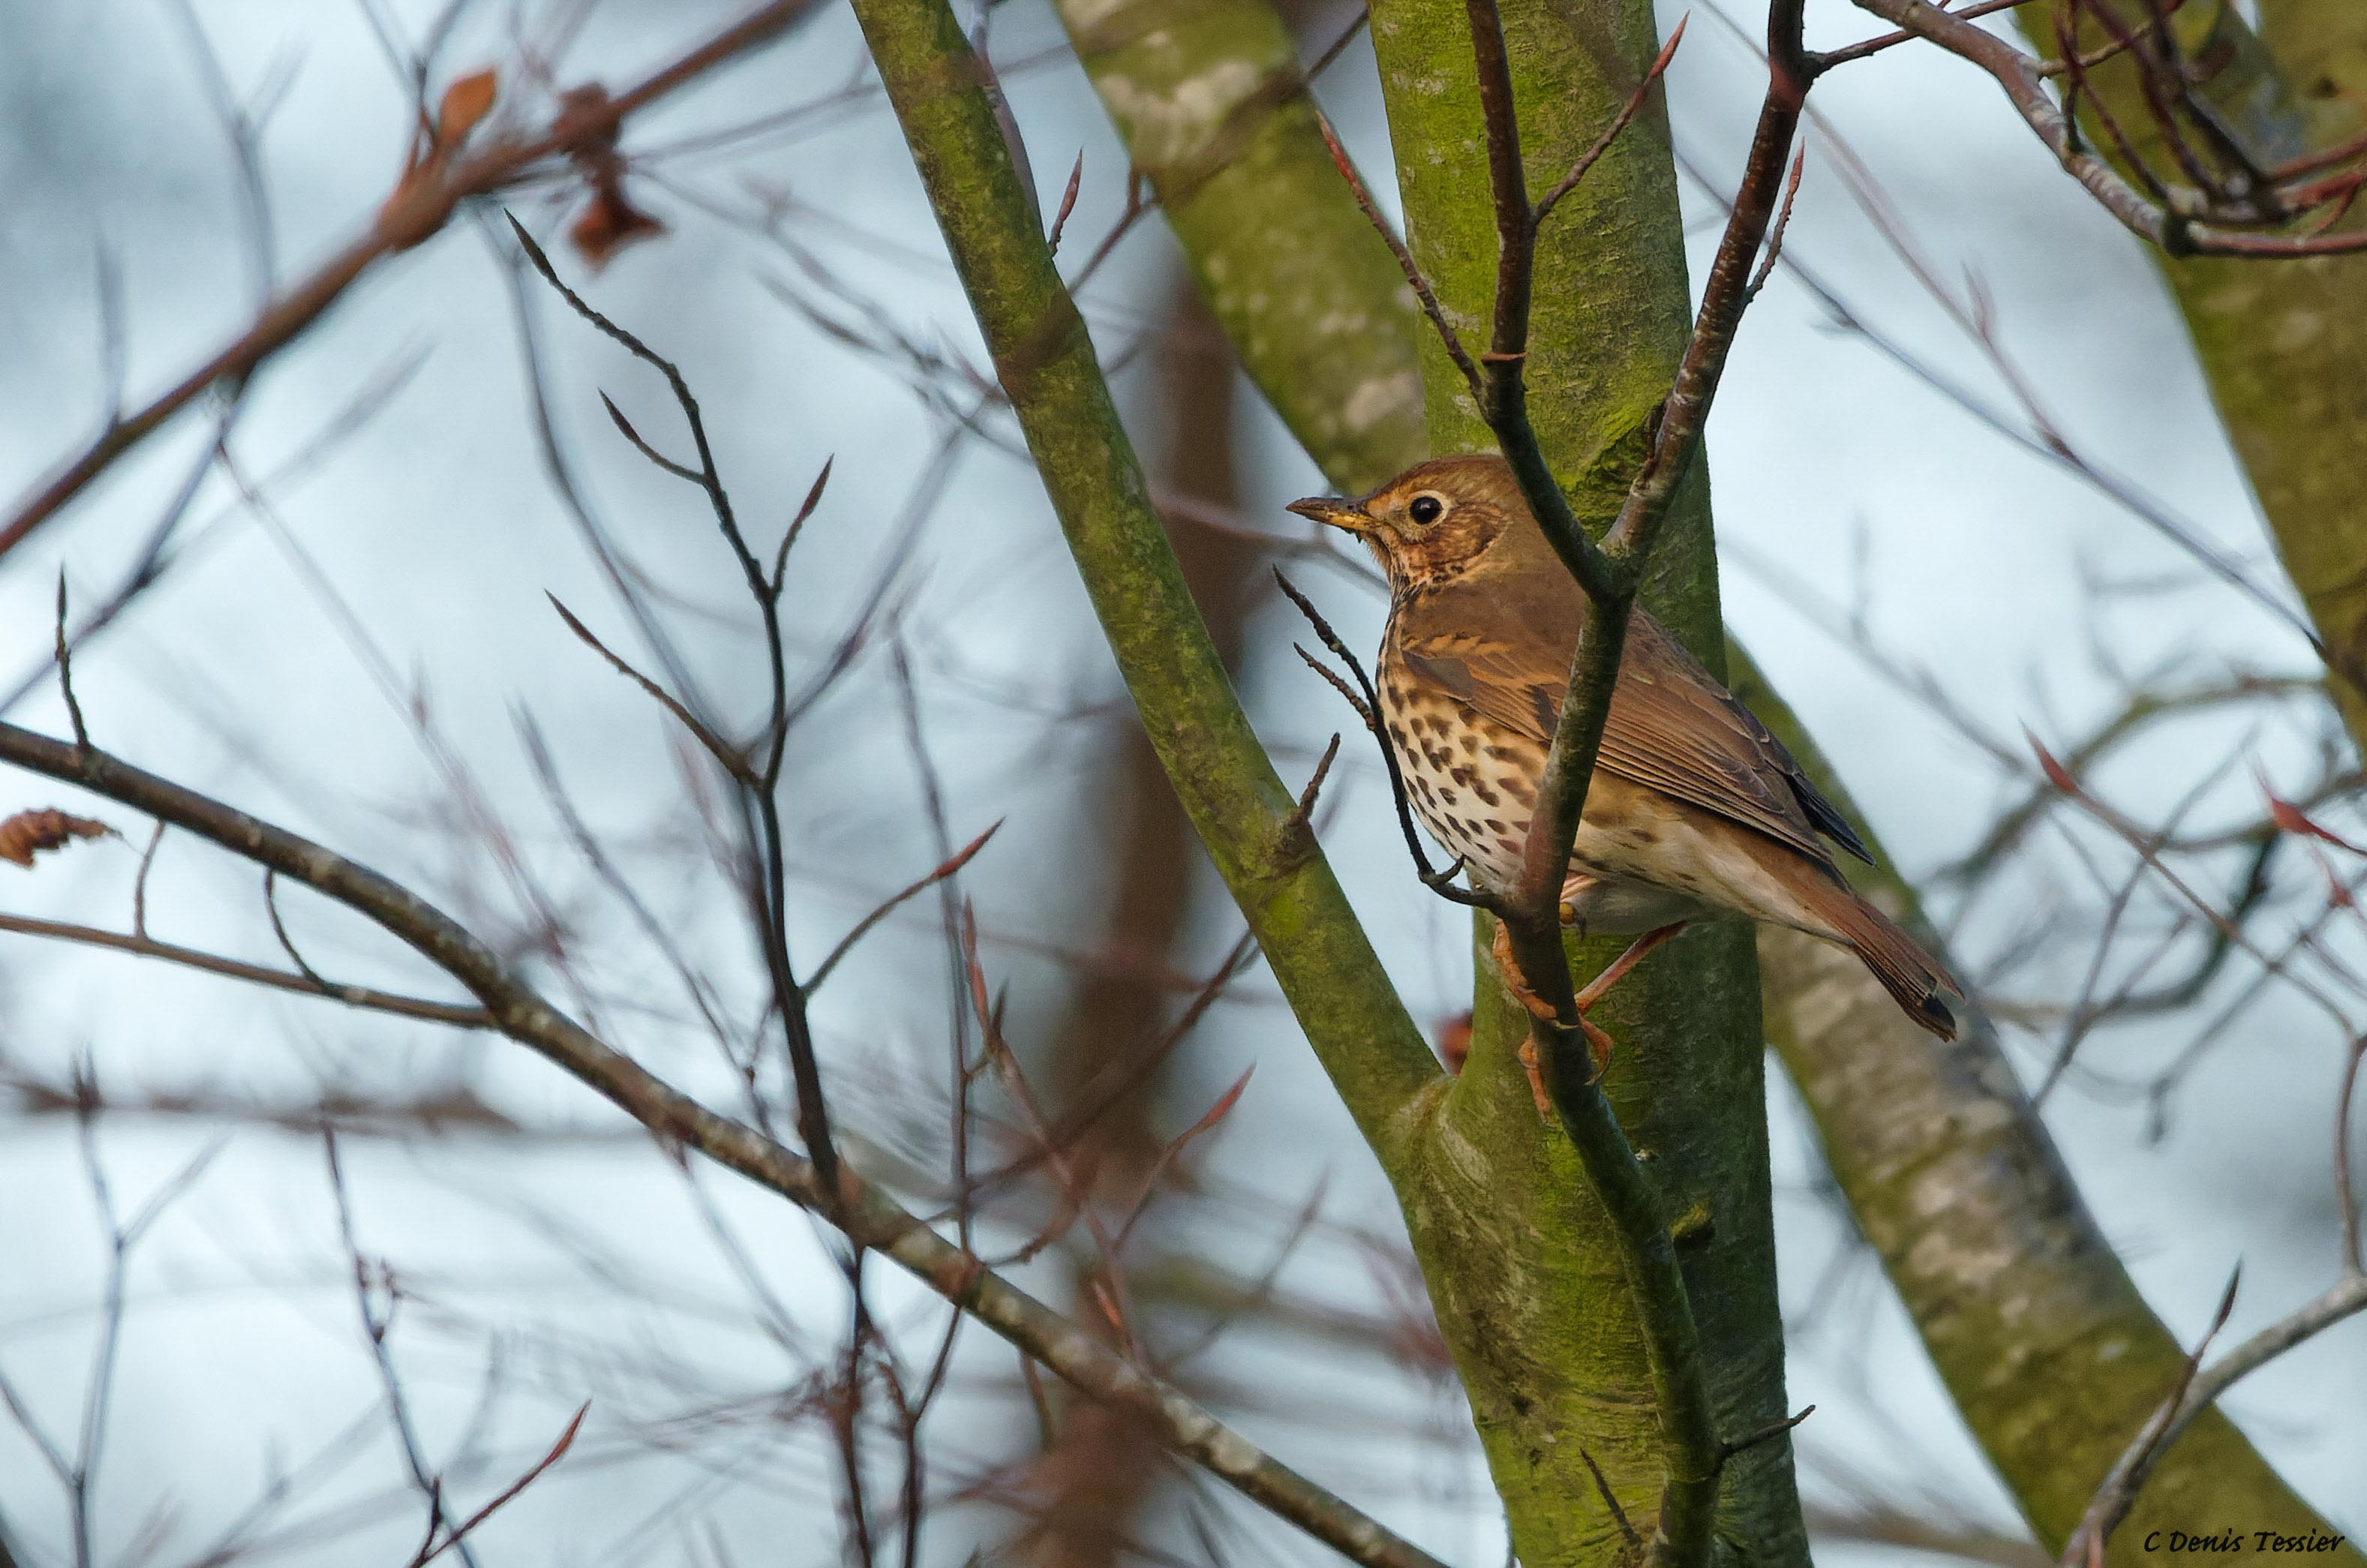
{"x":2046,"y":1344}
{"x":1523,"y":1270}
{"x":1938,"y":1149}
{"x":1525,"y":1279}
{"x":1210,"y":100}
{"x":1044,"y":359}
{"x":2036,"y":1326}
{"x":2281,"y":343}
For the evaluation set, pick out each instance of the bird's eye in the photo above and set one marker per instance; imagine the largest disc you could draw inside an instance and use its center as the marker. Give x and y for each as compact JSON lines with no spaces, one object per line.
{"x":1426,"y":509}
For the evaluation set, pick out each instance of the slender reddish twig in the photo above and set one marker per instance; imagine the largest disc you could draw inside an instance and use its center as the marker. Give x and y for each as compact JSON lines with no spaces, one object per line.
{"x":418,"y":210}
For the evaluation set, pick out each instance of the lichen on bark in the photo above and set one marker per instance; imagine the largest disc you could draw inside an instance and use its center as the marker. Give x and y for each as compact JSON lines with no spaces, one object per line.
{"x":2042,"y":1340}
{"x":1215,"y":111}
{"x":1524,"y":1271}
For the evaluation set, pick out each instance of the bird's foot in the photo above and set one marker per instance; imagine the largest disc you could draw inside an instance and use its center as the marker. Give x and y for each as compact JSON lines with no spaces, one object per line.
{"x":1500,"y":950}
{"x":1597,"y":1040}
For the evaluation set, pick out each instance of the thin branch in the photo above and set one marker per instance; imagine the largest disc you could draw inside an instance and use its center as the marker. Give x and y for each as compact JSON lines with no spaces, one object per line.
{"x":362,"y":996}
{"x":1427,"y":296}
{"x":2195,"y":1390}
{"x":1634,"y":105}
{"x":508,"y":1494}
{"x":418,"y":210}
{"x":733,"y":760}
{"x":2184,"y":221}
{"x":869,"y":1216}
{"x":888,"y":906}
{"x":1367,"y":707}
{"x":1826,"y":60}
{"x":375,"y":1328}
{"x":65,"y":670}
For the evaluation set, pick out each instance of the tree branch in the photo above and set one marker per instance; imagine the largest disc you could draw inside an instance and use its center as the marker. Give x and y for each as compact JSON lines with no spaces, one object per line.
{"x":1044,"y":361}
{"x":870,"y":1219}
{"x":2182,"y":221}
{"x":420,"y":207}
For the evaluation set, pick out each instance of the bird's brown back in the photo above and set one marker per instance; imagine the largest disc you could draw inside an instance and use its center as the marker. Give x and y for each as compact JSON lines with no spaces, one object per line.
{"x":1498,"y":637}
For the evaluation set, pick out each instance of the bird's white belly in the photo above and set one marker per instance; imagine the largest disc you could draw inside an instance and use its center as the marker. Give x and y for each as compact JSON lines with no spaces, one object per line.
{"x":1621,"y":906}
{"x":1627,"y":873}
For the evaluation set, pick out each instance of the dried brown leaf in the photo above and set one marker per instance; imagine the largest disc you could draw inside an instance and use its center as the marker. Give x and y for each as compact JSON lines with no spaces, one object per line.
{"x":466,"y":102}
{"x":609,"y":224}
{"x":2290,"y":818}
{"x":26,"y":834}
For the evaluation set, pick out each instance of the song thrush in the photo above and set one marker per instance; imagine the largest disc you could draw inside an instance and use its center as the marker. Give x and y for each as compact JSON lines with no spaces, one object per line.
{"x":1694,"y":811}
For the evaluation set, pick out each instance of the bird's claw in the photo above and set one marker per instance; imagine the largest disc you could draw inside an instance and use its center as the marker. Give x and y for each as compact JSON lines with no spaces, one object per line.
{"x":1500,"y":950}
{"x":1597,"y":1039}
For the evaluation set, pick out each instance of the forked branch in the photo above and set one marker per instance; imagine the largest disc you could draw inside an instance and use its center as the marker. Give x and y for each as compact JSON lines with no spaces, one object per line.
{"x":2245,"y":211}
{"x":1609,"y":573}
{"x":870,"y":1219}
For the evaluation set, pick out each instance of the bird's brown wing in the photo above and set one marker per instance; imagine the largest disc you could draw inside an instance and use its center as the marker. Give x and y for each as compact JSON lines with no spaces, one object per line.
{"x":1673,"y":727}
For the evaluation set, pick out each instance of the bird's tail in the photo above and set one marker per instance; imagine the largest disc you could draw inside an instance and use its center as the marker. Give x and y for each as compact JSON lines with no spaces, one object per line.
{"x":1917,"y":981}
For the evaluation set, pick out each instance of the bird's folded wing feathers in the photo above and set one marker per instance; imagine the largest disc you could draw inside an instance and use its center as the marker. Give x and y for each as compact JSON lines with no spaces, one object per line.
{"x":1672,"y":726}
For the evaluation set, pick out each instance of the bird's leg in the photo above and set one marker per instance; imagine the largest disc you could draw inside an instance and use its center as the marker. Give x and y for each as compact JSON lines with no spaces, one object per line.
{"x":1516,"y":982}
{"x":1500,"y":950}
{"x":1598,"y":1040}
{"x":1618,"y":967}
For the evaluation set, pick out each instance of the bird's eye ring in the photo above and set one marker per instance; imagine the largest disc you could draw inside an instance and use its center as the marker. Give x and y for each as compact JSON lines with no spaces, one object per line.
{"x":1426,"y":509}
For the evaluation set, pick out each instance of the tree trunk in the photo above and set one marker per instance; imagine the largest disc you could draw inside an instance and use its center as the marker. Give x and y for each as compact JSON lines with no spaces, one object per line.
{"x":1521,"y":1262}
{"x":2281,"y":343}
{"x":1891,"y":1104}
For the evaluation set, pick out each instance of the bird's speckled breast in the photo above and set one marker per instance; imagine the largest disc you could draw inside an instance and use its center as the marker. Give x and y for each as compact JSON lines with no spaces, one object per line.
{"x":1474,"y":785}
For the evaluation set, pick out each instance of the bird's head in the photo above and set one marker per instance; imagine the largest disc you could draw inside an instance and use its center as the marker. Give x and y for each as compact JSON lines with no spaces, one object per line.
{"x":1435,"y":521}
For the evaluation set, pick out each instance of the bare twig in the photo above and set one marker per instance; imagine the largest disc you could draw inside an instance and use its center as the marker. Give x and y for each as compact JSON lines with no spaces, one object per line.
{"x":417,"y":211}
{"x":362,"y":996}
{"x":2184,"y":220}
{"x":65,"y":670}
{"x":867,"y":1215}
{"x":375,"y":1328}
{"x":1366,"y":703}
{"x":509,"y":1494}
{"x":888,"y":905}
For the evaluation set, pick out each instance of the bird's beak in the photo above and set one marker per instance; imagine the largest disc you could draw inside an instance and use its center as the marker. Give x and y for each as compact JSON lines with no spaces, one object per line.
{"x":1338,"y":512}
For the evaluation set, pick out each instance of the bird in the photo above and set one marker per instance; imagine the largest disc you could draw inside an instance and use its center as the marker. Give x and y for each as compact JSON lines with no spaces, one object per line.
{"x":1695,"y":812}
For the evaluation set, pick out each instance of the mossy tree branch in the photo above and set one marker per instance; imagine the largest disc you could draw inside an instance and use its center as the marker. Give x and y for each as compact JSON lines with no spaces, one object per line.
{"x":2280,"y":346}
{"x":1608,"y":337}
{"x":1902,"y":1118}
{"x":1216,"y":113}
{"x":1249,"y":821}
{"x":2043,"y":1339}
{"x":1541,"y":1407}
